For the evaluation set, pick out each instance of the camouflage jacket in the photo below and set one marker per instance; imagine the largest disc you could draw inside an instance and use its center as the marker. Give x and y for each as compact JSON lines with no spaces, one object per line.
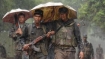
{"x":76,"y":31}
{"x":14,"y":36}
{"x":87,"y":48}
{"x":99,"y":50}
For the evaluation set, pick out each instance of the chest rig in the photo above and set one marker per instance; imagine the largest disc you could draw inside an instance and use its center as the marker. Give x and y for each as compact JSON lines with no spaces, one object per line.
{"x":65,"y":35}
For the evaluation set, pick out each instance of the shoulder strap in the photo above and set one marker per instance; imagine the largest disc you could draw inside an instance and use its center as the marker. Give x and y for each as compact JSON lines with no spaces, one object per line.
{"x":44,"y":28}
{"x":72,"y":23}
{"x":59,"y":26}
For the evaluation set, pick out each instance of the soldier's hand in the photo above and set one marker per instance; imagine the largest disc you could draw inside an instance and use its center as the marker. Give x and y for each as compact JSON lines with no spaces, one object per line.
{"x":26,"y":47}
{"x":81,"y":55}
{"x":19,"y":31}
{"x":50,"y":33}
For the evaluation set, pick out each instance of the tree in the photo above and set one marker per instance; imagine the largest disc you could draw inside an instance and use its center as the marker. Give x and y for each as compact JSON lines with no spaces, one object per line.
{"x":93,"y":11}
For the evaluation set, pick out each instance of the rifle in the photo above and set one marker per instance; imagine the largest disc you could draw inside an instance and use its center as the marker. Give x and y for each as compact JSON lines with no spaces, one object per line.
{"x":38,"y":39}
{"x":35,"y":41}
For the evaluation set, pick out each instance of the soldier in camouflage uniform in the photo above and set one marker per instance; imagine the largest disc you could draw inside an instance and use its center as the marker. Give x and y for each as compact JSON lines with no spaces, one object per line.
{"x":19,"y":35}
{"x":86,"y":49}
{"x":67,"y":36}
{"x":99,"y":52}
{"x":38,"y":50}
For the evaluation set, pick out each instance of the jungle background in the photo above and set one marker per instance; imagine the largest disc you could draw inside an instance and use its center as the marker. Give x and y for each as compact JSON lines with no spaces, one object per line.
{"x":91,"y":19}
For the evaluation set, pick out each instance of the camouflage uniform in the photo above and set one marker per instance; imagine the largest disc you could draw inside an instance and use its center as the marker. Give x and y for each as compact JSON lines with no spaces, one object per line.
{"x":19,"y":39}
{"x":41,"y":47}
{"x":99,"y":53}
{"x":66,"y":38}
{"x":87,"y":49}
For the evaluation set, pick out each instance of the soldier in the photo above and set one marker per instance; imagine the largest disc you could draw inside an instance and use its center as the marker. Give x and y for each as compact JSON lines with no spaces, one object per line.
{"x":86,"y":49}
{"x":67,"y":36}
{"x":19,"y":35}
{"x":38,"y":50}
{"x":99,"y":52}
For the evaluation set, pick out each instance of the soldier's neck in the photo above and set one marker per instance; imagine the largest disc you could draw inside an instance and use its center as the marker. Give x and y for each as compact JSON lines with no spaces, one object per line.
{"x":37,"y":25}
{"x":65,"y":20}
{"x":21,"y":22}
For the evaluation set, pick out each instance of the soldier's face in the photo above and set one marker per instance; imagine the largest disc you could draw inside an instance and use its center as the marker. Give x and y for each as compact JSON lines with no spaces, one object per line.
{"x":37,"y":18}
{"x":84,"y":38}
{"x":63,"y":16}
{"x":21,"y":19}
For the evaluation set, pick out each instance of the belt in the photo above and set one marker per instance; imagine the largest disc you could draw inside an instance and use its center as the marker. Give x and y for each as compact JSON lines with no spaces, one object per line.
{"x":62,"y":46}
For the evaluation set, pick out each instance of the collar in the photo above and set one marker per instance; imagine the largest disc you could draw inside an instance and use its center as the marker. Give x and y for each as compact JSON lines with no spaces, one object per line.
{"x":69,"y":21}
{"x":34,"y":26}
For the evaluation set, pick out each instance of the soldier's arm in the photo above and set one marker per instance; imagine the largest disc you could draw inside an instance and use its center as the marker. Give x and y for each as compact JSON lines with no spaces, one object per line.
{"x":81,"y":50}
{"x":77,"y":35}
{"x":50,"y":28}
{"x":78,"y":38}
{"x":12,"y":34}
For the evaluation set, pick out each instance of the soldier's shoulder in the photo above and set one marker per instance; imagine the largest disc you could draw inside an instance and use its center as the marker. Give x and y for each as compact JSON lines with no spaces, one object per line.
{"x":89,"y":43}
{"x":29,"y":25}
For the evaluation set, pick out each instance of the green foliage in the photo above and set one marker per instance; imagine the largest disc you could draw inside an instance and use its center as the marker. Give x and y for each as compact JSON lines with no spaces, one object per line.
{"x":5,"y":6}
{"x":94,"y":11}
{"x":24,"y":4}
{"x":73,"y":3}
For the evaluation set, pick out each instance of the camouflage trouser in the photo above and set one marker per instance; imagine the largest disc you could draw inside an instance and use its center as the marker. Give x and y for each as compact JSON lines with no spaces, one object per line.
{"x":21,"y":55}
{"x":18,"y":54}
{"x":64,"y":54}
{"x":38,"y":55}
